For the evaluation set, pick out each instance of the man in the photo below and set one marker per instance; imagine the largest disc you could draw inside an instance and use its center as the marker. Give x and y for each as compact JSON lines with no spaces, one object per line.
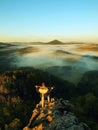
{"x":47,"y":94}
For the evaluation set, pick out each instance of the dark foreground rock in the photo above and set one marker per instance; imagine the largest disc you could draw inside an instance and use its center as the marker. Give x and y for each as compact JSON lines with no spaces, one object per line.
{"x":56,"y":115}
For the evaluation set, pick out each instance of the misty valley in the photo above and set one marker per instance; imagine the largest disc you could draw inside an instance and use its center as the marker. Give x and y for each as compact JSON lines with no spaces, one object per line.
{"x":71,"y":67}
{"x":67,"y":61}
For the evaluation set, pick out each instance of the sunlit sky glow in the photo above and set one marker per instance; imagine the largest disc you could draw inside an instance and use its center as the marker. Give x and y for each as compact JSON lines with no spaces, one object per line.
{"x":45,"y":20}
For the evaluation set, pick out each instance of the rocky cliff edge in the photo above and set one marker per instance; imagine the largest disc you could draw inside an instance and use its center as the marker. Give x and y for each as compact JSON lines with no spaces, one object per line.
{"x":55,"y":115}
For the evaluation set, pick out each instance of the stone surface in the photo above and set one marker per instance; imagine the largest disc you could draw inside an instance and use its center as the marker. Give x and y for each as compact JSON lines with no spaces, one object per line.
{"x":56,"y":115}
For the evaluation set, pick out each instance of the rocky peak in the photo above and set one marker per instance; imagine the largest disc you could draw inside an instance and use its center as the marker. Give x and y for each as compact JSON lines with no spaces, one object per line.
{"x":55,"y":42}
{"x":55,"y":115}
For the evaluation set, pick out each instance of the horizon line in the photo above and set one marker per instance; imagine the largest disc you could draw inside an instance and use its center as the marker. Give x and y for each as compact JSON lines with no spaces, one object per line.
{"x":49,"y":41}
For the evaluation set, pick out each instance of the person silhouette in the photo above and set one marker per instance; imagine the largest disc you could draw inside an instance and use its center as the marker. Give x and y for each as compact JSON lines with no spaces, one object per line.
{"x":44,"y":92}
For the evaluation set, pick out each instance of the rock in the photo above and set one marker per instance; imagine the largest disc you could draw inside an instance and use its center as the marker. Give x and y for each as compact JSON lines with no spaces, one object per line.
{"x":26,"y":128}
{"x":49,"y":118}
{"x":56,"y":115}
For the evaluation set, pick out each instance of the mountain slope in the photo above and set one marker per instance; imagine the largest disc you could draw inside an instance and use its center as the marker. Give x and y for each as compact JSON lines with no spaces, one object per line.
{"x":18,"y":95}
{"x":55,"y":42}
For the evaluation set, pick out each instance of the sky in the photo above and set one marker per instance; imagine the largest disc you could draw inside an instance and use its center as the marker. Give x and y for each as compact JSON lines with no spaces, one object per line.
{"x":45,"y":20}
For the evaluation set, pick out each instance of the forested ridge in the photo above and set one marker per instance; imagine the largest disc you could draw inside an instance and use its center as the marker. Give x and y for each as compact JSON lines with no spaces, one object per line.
{"x":18,"y":96}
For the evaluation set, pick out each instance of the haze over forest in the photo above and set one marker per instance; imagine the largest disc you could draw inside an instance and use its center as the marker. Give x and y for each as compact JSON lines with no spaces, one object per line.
{"x":66,"y":60}
{"x":50,"y":41}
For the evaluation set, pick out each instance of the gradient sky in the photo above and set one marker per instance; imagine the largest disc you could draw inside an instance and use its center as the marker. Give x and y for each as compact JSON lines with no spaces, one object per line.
{"x":44,"y":20}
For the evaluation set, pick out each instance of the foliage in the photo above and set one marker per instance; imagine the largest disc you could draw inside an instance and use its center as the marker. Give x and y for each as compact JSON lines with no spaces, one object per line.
{"x":88,"y":83}
{"x":18,"y":96}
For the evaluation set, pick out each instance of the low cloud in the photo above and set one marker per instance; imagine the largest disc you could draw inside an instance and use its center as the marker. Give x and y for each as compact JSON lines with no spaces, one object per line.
{"x":27,"y":50}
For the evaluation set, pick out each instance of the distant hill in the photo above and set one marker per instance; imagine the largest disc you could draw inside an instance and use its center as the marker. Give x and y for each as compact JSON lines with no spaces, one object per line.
{"x":2,"y":44}
{"x":55,"y":42}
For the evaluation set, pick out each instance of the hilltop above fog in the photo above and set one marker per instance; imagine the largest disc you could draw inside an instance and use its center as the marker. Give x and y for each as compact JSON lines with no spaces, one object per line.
{"x":55,"y":42}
